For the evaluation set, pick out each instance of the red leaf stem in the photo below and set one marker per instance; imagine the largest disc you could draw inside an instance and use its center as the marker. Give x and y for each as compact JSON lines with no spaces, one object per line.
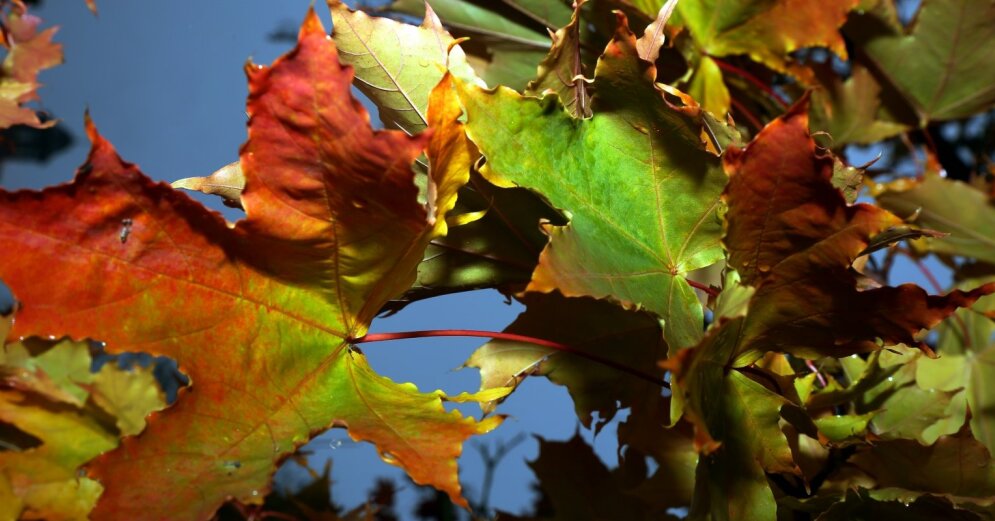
{"x":710,"y":291}
{"x":728,"y":67}
{"x":745,"y":112}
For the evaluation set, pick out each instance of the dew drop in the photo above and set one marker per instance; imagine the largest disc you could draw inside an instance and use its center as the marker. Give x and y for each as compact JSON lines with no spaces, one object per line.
{"x":255,"y":493}
{"x":389,"y":458}
{"x":891,"y":378}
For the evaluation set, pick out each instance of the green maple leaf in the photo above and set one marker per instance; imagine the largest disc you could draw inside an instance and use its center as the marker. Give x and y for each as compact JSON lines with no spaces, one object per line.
{"x":963,"y":212}
{"x":259,"y":314}
{"x":851,"y":110}
{"x":635,"y":178}
{"x":935,"y":64}
{"x":508,"y":39}
{"x":42,"y":481}
{"x":562,"y":70}
{"x":736,"y":429}
{"x":397,"y":64}
{"x":767,"y":31}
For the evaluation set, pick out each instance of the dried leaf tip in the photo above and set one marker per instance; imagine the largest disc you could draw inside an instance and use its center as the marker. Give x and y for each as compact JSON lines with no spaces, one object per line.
{"x":654,"y":37}
{"x":97,"y":141}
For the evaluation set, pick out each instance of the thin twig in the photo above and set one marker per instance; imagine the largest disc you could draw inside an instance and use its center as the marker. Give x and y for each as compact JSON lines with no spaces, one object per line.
{"x":491,"y":462}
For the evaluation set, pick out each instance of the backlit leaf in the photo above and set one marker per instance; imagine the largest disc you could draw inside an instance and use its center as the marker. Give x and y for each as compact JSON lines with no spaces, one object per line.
{"x":640,"y":189}
{"x":396,"y":64}
{"x":767,"y":30}
{"x":562,"y":71}
{"x":708,"y":88}
{"x":333,"y":230}
{"x":736,"y":422}
{"x":128,"y":395}
{"x":228,"y":182}
{"x":504,"y":47}
{"x":851,"y":110}
{"x":967,"y":364}
{"x":957,"y":467}
{"x":654,"y":36}
{"x":936,"y":64}
{"x":42,"y":481}
{"x":792,"y":236}
{"x":28,"y":53}
{"x":60,"y":374}
{"x":965,"y":213}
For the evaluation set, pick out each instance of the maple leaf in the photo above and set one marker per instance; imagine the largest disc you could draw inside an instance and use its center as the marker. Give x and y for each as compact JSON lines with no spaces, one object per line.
{"x":860,"y":503}
{"x":935,"y":63}
{"x":736,"y":429}
{"x":904,"y":405}
{"x":852,"y":111}
{"x":28,"y":53}
{"x":562,"y":70}
{"x":601,"y":329}
{"x":765,"y":31}
{"x":639,"y":186}
{"x":648,"y":432}
{"x":958,"y":468}
{"x":40,"y":480}
{"x":397,"y":64}
{"x":964,"y":213}
{"x":504,"y":49}
{"x":580,"y":487}
{"x":791,"y":234}
{"x":967,"y":363}
{"x":259,"y":315}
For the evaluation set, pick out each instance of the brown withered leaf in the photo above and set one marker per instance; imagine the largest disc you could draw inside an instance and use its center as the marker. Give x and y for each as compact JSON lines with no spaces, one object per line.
{"x":792,"y":236}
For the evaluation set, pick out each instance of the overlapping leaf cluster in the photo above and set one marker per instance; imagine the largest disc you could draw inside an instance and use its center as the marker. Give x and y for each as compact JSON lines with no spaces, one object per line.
{"x":631,"y":171}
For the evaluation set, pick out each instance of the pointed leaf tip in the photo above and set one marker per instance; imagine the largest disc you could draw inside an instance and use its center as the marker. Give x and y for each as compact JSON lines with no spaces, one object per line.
{"x":311,"y":25}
